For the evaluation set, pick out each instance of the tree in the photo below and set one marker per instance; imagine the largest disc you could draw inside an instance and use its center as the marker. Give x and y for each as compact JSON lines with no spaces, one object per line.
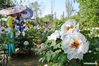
{"x":18,"y":2}
{"x":62,"y":16}
{"x":69,"y":7}
{"x":89,"y":12}
{"x":36,"y":9}
{"x":5,"y":4}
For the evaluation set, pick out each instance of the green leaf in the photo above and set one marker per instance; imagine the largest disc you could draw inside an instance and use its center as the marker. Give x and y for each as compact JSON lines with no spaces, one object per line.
{"x":58,"y":51}
{"x":57,"y":46}
{"x":48,"y":57}
{"x":42,"y":59}
{"x":97,"y":49}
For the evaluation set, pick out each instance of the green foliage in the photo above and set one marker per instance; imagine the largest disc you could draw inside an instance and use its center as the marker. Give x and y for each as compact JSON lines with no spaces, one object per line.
{"x":48,"y":17}
{"x":54,"y":55}
{"x":93,"y":54}
{"x":33,"y":36}
{"x":89,"y":13}
{"x":57,"y":24}
{"x":5,"y":4}
{"x":3,"y":40}
{"x":20,"y":39}
{"x":30,"y":23}
{"x":41,"y":21}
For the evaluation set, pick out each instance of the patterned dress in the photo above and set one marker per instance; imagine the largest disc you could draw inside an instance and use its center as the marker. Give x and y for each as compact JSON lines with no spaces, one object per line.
{"x":10,"y":36}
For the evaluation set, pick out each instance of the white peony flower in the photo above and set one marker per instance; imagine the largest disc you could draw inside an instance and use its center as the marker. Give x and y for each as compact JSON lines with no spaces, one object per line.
{"x":23,"y":33}
{"x":54,"y":35}
{"x":46,"y":65}
{"x":68,"y":26}
{"x":75,"y":45}
{"x":26,"y":43}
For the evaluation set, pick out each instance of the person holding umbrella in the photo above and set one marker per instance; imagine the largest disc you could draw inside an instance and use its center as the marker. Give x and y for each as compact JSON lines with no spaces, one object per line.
{"x":11,"y":22}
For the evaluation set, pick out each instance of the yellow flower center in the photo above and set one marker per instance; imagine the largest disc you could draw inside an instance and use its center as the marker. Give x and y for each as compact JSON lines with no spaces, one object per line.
{"x":69,"y":27}
{"x":75,"y":44}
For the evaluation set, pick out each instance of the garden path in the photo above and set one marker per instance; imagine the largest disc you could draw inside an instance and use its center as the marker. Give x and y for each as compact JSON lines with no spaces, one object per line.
{"x":24,"y":60}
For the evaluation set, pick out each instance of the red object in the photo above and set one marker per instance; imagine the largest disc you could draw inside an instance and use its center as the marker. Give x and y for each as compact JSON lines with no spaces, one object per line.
{"x":45,"y":26}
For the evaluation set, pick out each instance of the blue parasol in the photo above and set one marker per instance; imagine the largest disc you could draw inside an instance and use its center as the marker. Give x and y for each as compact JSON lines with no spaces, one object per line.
{"x":27,"y":13}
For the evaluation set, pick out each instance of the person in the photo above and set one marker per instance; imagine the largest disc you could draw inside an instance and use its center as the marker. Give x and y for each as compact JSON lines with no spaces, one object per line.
{"x":11,"y":22}
{"x":20,"y":22}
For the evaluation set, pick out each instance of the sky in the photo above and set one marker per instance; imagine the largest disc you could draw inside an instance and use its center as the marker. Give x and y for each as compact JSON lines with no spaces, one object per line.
{"x":58,"y":7}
